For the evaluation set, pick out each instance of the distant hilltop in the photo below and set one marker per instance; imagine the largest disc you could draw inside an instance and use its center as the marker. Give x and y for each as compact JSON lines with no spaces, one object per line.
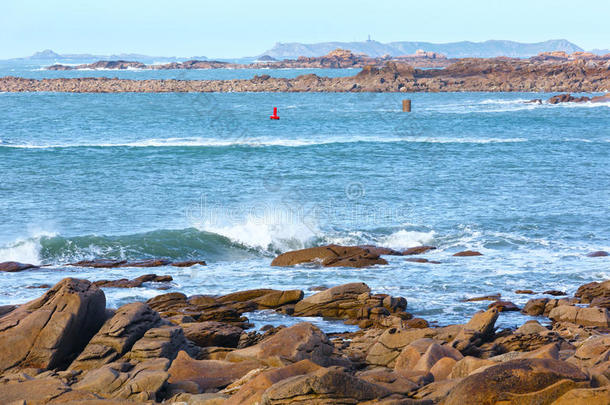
{"x":464,"y":49}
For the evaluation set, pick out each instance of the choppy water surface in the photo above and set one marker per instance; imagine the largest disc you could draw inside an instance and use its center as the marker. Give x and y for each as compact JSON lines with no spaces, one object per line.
{"x":209,"y":176}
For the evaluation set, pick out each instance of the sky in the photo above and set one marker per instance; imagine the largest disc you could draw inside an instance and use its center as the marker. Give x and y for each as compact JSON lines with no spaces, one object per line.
{"x":230,"y":28}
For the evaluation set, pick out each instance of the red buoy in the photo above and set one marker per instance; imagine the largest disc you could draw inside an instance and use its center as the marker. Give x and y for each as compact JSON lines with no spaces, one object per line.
{"x":275,"y":116}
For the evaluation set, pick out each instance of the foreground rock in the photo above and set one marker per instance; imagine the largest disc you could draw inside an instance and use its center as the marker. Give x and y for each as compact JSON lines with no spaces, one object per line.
{"x":330,"y":256}
{"x":117,"y":336}
{"x":47,"y":332}
{"x":513,"y":379}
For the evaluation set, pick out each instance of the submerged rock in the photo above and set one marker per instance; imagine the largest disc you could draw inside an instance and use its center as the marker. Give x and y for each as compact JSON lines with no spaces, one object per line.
{"x":330,"y":256}
{"x":136,"y":282}
{"x":468,"y":253}
{"x":12,"y":267}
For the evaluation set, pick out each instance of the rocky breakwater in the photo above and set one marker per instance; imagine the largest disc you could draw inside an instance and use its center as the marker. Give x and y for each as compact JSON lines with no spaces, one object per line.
{"x":494,"y":75}
{"x":67,"y":347}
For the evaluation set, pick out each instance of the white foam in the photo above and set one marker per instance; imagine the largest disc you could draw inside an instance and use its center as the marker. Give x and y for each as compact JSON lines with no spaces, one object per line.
{"x":263,"y":142}
{"x":405,"y":239}
{"x":273,"y":229}
{"x":24,"y":250}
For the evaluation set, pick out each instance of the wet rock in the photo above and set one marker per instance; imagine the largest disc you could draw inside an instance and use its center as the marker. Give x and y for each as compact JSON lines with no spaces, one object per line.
{"x":136,"y":282}
{"x":323,"y":386}
{"x":524,"y":292}
{"x":209,"y":374}
{"x":318,"y":288}
{"x":381,"y":251}
{"x":12,"y":267}
{"x":601,"y":99}
{"x":567,"y":98}
{"x":503,"y":306}
{"x":50,"y":331}
{"x":513,"y":377}
{"x":493,"y":297}
{"x":212,"y":333}
{"x":421,"y":260}
{"x":303,"y":341}
{"x":44,"y":286}
{"x":122,"y":380}
{"x":555,"y":293}
{"x":468,"y":253}
{"x":117,"y":336}
{"x":543,"y":306}
{"x":330,"y":256}
{"x":581,"y":316}
{"x":599,"y":253}
{"x":189,"y":263}
{"x":109,"y":263}
{"x":252,"y":391}
{"x":417,"y":250}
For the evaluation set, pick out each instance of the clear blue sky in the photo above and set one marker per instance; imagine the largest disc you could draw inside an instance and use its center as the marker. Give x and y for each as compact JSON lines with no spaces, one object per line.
{"x":230,"y":28}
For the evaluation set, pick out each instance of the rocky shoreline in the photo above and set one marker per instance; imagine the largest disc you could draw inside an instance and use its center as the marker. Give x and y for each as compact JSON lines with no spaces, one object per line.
{"x":475,"y":75}
{"x":67,"y":347}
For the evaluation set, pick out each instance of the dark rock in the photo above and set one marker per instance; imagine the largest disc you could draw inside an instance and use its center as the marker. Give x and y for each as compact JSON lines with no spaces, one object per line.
{"x":468,"y":253}
{"x":503,"y":306}
{"x":492,"y":297}
{"x":524,"y":292}
{"x":50,"y":331}
{"x":189,"y":263}
{"x":421,"y":260}
{"x":381,"y":251}
{"x":12,"y":267}
{"x":417,"y":250}
{"x":555,"y":293}
{"x":136,"y":282}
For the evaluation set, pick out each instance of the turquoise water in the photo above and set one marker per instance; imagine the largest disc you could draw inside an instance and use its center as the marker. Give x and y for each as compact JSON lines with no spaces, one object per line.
{"x":209,"y":176}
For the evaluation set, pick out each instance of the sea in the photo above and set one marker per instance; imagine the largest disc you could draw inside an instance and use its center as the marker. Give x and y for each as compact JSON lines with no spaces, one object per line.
{"x":211,"y":177}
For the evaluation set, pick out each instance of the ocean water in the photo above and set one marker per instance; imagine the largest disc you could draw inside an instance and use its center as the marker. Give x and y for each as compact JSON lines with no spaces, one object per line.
{"x":209,"y":176}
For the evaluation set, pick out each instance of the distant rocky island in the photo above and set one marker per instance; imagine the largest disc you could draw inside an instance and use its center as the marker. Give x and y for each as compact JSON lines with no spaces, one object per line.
{"x":338,"y":58}
{"x":547,"y":72}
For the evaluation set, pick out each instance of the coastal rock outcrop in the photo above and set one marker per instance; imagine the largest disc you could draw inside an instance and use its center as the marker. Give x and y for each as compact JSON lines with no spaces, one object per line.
{"x":136,"y":282}
{"x":50,"y":331}
{"x":117,"y":336}
{"x":330,"y":256}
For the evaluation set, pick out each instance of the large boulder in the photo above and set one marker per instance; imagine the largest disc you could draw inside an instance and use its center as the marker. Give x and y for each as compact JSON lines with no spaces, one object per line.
{"x":303,"y":341}
{"x":51,"y":331}
{"x":585,"y":396}
{"x":581,"y":316}
{"x":330,"y":256}
{"x":391,"y":343}
{"x":512,"y":377}
{"x":117,"y":336}
{"x":35,"y":391}
{"x":325,"y":386}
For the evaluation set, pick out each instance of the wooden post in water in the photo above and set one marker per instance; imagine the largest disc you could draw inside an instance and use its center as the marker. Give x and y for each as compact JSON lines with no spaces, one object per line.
{"x":406,"y":105}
